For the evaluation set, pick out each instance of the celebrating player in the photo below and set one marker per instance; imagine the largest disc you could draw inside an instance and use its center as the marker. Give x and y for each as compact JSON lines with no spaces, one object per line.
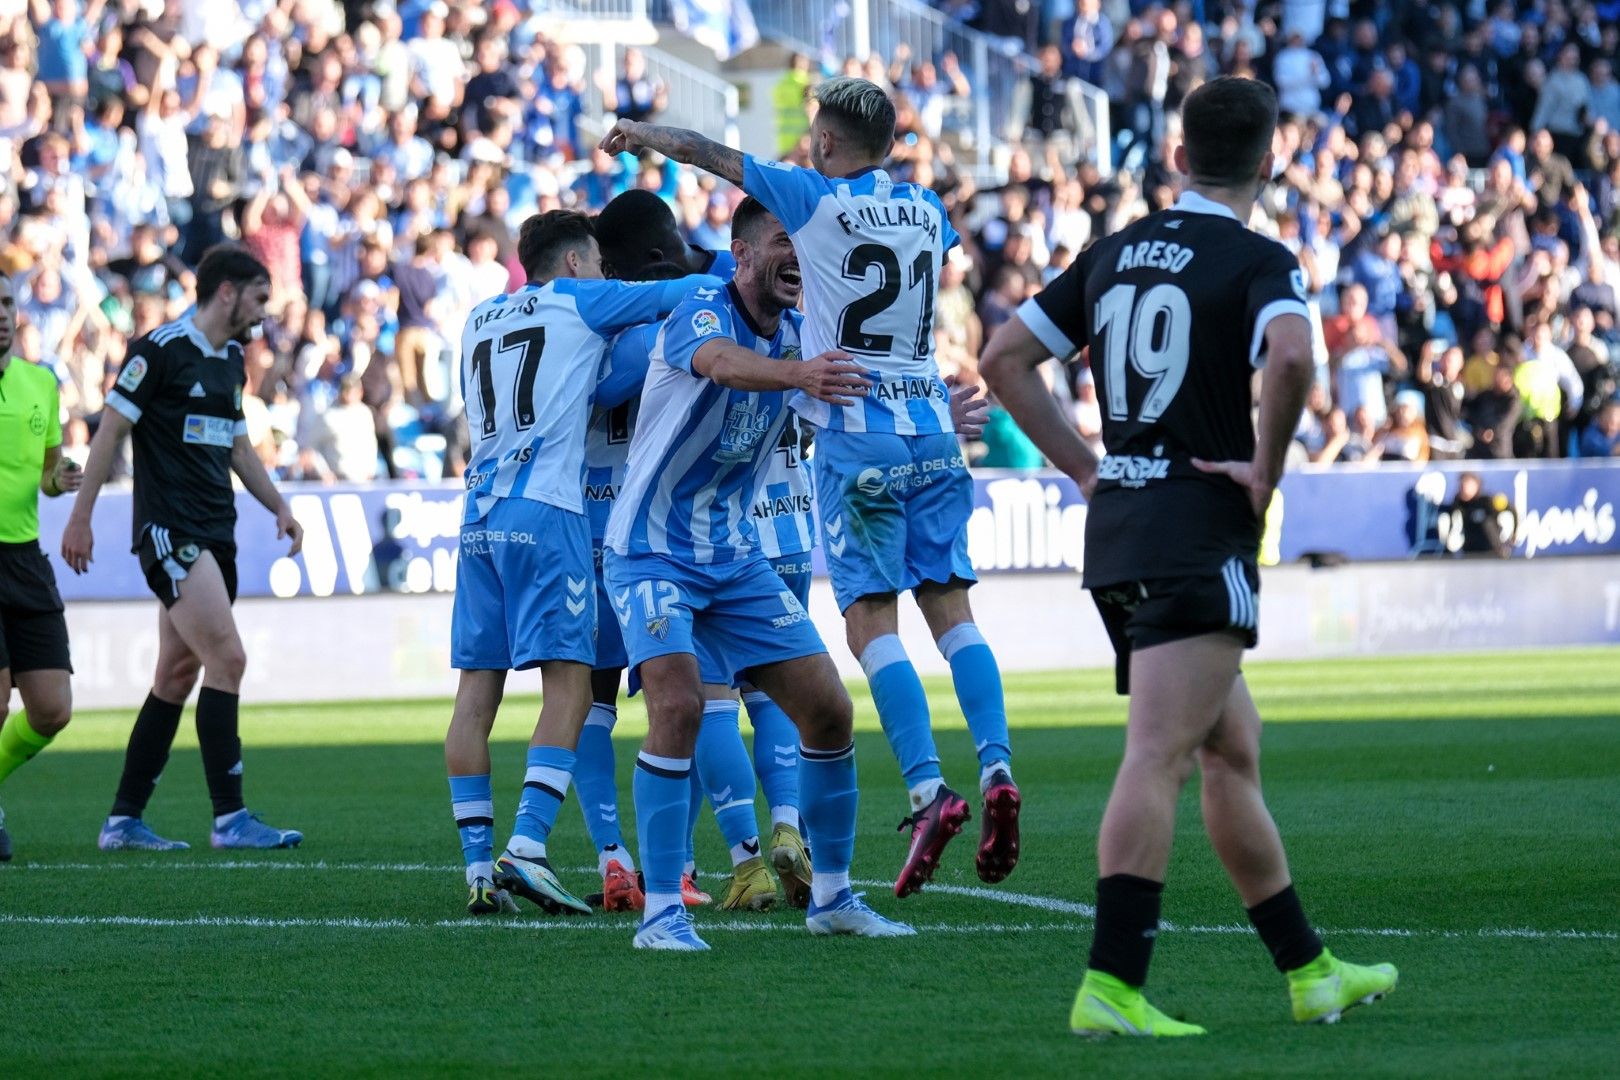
{"x":894,"y":489}
{"x":180,"y":392}
{"x":1176,"y":311}
{"x":33,"y":633}
{"x":526,"y":591}
{"x":697,"y":601}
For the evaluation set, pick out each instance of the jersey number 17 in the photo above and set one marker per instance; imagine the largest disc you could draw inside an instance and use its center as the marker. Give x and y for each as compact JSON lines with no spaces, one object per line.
{"x":529,"y":343}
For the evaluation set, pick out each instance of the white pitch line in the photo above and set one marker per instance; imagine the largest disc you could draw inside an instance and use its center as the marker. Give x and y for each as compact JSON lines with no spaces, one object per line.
{"x":1039,"y":903}
{"x":724,"y":926}
{"x":531,"y":925}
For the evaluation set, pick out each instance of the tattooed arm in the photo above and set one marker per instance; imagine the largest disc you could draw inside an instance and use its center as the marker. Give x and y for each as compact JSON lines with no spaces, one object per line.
{"x":687,"y":147}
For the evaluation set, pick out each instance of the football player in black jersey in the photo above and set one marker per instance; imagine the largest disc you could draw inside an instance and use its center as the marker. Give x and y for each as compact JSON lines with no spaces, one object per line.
{"x":1177,"y":310}
{"x":180,"y":393}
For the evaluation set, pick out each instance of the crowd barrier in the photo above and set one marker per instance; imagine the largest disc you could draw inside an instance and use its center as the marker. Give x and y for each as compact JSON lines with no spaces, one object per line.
{"x":348,"y":648}
{"x":403,"y":538}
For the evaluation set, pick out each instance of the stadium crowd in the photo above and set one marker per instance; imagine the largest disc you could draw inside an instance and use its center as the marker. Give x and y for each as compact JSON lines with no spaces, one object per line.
{"x":1448,"y":173}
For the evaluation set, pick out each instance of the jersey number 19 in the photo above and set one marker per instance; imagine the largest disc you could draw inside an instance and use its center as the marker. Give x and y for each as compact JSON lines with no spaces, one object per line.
{"x":1152,"y":334}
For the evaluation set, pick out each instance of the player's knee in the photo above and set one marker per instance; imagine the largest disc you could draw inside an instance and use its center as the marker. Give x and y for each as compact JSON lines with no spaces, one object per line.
{"x":678,"y":712}
{"x":829,"y":722}
{"x":176,"y":678}
{"x":1174,"y":762}
{"x":1237,"y":757}
{"x":50,"y":716}
{"x":228,"y":664}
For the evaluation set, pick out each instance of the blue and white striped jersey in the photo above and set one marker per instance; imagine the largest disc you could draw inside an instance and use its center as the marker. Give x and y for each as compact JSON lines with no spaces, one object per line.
{"x":529,"y":363}
{"x":607,"y":439}
{"x":870,"y":252}
{"x":700,"y":451}
{"x":784,"y":510}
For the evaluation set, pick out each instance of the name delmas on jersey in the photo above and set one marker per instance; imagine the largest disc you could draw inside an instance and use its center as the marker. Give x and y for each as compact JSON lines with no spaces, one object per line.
{"x":524,"y":304}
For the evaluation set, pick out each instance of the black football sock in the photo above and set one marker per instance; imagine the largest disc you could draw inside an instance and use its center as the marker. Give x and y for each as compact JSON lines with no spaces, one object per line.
{"x":1127,"y":924}
{"x":221,"y":748}
{"x":147,"y":753}
{"x":1281,"y":923}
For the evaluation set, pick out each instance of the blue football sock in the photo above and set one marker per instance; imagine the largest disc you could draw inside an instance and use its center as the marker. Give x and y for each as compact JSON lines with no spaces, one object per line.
{"x":694,"y":810}
{"x":776,"y":756}
{"x":472,"y":800}
{"x":663,"y":790}
{"x":728,"y":776}
{"x":594,"y":780}
{"x":830,"y":801}
{"x":545,"y":785}
{"x":903,"y":709}
{"x":978,"y":690}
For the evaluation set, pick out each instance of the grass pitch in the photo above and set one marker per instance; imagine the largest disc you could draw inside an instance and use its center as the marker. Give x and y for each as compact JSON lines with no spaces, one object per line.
{"x":1455,"y":815}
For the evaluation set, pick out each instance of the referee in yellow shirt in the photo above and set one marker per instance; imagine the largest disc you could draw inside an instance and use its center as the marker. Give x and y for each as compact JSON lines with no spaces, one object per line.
{"x":33,"y":632}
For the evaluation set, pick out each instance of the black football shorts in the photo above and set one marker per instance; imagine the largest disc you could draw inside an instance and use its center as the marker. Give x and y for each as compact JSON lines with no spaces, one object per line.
{"x":166,"y":559}
{"x":33,"y":632}
{"x":1141,"y":614}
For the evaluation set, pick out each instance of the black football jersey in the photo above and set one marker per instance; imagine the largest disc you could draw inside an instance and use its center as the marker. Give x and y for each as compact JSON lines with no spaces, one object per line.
{"x":185,"y":399}
{"x":1173,"y":310}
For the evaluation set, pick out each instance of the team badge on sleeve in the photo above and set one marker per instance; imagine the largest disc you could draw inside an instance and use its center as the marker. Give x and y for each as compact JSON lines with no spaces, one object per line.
{"x":133,"y":373}
{"x":1297,"y":280}
{"x":705,"y":323}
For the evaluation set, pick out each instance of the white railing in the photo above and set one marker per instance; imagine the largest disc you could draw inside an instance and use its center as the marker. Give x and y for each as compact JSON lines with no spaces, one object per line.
{"x":698,"y":99}
{"x":995,"y":67}
{"x":635,"y":10}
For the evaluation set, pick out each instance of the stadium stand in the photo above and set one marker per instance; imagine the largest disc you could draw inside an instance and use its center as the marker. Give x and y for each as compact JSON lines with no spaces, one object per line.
{"x":1448,"y":173}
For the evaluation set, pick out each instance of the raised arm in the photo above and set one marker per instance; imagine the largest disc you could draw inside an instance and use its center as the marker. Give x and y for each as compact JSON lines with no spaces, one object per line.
{"x":678,"y":144}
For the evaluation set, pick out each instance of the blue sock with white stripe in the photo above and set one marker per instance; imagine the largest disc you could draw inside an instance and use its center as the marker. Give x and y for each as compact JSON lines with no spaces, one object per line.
{"x":694,"y":810}
{"x":978,"y":691}
{"x":598,"y":791}
{"x":663,"y":789}
{"x":903,"y":709}
{"x":776,"y":756}
{"x":831,"y":799}
{"x":545,"y":785}
{"x":728,"y":778}
{"x":472,"y":801}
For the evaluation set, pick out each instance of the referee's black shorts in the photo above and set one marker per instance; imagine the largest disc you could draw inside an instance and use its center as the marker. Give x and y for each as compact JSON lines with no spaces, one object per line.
{"x":167,"y":558}
{"x":33,"y":633}
{"x":1142,"y":614}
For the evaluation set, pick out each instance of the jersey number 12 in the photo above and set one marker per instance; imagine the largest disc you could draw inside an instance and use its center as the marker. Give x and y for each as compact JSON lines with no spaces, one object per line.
{"x":1153,"y":336}
{"x":530,"y":343}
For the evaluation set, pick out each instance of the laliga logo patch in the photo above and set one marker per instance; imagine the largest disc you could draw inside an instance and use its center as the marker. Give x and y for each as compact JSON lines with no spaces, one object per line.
{"x":133,"y":373}
{"x":870,"y":482}
{"x":1297,"y":279}
{"x":705,"y":323}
